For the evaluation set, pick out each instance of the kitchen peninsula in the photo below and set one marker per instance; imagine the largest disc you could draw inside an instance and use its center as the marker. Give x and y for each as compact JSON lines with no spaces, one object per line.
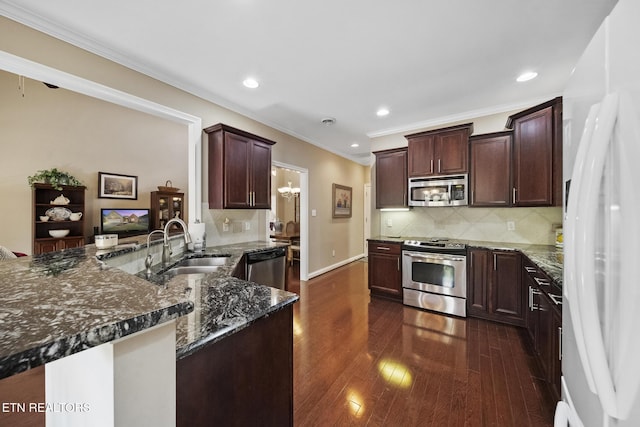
{"x":58,"y":306}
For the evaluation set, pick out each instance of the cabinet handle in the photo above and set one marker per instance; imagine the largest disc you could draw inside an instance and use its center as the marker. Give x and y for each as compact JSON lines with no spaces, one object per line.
{"x":383,"y":248}
{"x":559,"y":342}
{"x":398,"y":263}
{"x":494,"y":261}
{"x":532,"y":295}
{"x":541,"y":282}
{"x":431,"y":168}
{"x":439,"y":168}
{"x":514,"y":195}
{"x":531,"y":270}
{"x":556,"y":299}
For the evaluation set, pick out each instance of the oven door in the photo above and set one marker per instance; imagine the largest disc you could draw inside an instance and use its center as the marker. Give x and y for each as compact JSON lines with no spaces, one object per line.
{"x":436,"y":273}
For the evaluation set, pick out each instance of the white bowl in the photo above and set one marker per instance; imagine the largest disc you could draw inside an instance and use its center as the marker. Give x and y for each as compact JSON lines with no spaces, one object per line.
{"x":58,"y":233}
{"x":105,"y":241}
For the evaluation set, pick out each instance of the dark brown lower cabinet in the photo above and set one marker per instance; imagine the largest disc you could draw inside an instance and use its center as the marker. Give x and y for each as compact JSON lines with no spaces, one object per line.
{"x":544,"y":325}
{"x":494,"y":291}
{"x":385,"y":269}
{"x":243,"y":379}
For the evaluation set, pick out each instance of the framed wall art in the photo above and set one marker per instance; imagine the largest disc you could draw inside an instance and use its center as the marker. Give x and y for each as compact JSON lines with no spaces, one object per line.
{"x":341,"y":201}
{"x":116,"y":186}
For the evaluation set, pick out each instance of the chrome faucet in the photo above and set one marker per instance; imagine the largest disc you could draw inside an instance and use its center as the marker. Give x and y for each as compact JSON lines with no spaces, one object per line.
{"x":148,"y":261}
{"x":166,"y":250}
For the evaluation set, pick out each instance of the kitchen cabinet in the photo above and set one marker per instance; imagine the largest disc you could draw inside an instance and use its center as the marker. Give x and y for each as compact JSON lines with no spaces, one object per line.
{"x":544,"y":323}
{"x":439,"y":152}
{"x":165,"y":206}
{"x":490,"y":169}
{"x":391,"y":178}
{"x":385,"y":269}
{"x":252,"y":366}
{"x":493,"y":285}
{"x":239,"y":169}
{"x":537,"y":155}
{"x":59,"y":217}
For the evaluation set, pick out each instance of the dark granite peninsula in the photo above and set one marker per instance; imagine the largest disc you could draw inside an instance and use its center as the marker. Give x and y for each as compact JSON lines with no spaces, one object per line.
{"x":227,"y":333}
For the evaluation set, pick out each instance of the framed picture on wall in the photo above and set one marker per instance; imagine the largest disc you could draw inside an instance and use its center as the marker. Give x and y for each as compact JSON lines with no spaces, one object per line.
{"x":341,"y":201}
{"x":115,"y":186}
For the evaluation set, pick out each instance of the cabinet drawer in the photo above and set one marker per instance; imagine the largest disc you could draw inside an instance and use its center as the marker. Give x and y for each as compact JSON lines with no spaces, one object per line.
{"x":385,"y":248}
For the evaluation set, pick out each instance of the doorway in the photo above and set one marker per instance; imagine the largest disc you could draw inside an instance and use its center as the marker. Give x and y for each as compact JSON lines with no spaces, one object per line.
{"x":289,"y":203}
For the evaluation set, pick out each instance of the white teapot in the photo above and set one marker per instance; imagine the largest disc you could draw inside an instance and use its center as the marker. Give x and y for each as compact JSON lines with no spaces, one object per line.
{"x":60,"y":200}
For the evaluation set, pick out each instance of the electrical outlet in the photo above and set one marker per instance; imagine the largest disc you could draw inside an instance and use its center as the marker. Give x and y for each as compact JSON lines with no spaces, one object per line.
{"x":333,"y":252}
{"x":511,"y":226}
{"x":225,"y":226}
{"x":313,"y":212}
{"x":389,"y":222}
{"x":247,"y":226}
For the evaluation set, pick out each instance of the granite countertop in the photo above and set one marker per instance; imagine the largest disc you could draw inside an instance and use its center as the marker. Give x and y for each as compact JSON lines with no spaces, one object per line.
{"x":60,"y":303}
{"x":223,"y":304}
{"x":547,"y":257}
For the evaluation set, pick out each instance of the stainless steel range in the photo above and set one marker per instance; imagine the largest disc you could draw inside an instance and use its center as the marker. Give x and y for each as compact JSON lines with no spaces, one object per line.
{"x":434,"y":275}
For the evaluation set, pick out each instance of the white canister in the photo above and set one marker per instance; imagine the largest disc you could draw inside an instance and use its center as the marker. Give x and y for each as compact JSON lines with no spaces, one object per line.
{"x":105,"y":241}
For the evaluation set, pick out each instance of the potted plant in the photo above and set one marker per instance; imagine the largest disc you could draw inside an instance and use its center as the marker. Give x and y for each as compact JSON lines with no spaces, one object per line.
{"x":54,"y":177}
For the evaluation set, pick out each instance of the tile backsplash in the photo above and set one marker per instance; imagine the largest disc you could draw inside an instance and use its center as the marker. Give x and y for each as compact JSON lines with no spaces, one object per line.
{"x":528,"y":225}
{"x":228,"y":226}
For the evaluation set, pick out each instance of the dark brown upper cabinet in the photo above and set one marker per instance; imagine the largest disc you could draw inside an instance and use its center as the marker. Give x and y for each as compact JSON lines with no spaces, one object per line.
{"x":537,"y":155}
{"x":391,"y":178}
{"x":440,"y":151}
{"x":239,"y":169}
{"x":490,"y":169}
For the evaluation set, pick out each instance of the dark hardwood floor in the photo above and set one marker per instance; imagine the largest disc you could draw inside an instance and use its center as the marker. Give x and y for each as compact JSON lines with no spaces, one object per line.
{"x":369,"y":361}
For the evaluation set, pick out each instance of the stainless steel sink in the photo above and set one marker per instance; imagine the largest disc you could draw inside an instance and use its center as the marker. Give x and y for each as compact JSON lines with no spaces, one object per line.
{"x":205,"y":262}
{"x":198,"y":265}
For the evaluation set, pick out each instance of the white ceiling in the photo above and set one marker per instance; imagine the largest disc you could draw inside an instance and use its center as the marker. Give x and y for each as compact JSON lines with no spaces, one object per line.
{"x":428,"y":62}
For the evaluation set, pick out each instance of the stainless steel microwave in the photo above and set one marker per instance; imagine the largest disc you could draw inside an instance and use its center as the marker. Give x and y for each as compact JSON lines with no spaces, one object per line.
{"x":450,"y":190}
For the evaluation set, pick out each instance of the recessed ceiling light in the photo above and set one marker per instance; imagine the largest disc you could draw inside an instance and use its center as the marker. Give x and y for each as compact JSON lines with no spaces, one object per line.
{"x":250,"y":83}
{"x":328,"y":121}
{"x":525,"y":77}
{"x":355,"y":145}
{"x":382,"y":112}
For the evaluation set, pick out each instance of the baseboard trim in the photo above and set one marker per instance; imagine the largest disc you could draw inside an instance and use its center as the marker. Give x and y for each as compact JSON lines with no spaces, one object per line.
{"x":334,"y":266}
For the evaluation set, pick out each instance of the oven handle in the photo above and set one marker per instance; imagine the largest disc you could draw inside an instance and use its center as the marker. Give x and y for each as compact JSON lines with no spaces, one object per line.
{"x":436,"y":257}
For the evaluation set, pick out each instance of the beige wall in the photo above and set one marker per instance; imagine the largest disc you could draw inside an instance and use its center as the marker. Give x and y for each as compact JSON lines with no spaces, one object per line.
{"x":49,"y":128}
{"x":325,"y":234}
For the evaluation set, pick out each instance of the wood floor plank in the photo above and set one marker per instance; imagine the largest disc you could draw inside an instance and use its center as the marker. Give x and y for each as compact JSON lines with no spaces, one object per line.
{"x":366,"y":361}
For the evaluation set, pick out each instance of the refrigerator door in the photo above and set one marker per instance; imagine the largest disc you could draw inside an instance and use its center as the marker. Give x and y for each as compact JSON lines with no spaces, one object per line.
{"x":602,"y":228}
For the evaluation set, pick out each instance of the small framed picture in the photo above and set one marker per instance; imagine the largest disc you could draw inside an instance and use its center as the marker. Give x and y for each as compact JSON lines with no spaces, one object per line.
{"x":115,"y":186}
{"x":342,"y":200}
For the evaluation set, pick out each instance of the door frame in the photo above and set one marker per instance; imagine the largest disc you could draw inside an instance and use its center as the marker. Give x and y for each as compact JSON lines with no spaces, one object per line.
{"x":304,"y":215}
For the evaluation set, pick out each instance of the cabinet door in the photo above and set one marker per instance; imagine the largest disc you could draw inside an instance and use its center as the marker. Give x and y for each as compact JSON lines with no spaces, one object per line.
{"x":556,"y":353}
{"x":421,"y":156}
{"x":490,"y":174}
{"x":506,"y":298}
{"x":70,"y":243}
{"x":43,"y":246}
{"x":451,"y":152}
{"x":391,"y":179}
{"x":237,"y":155}
{"x":478,"y":281}
{"x":385,"y":270}
{"x":260,"y":172}
{"x":533,"y":159}
{"x":546,"y":335}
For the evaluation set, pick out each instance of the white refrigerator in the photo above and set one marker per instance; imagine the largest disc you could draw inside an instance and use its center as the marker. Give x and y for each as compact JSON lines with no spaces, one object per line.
{"x":601,"y":285}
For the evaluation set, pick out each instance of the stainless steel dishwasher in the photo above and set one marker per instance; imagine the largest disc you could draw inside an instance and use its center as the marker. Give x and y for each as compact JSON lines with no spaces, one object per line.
{"x":268,"y":267}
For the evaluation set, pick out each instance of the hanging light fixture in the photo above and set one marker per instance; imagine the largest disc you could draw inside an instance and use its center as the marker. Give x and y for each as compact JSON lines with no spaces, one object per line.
{"x":289,"y":192}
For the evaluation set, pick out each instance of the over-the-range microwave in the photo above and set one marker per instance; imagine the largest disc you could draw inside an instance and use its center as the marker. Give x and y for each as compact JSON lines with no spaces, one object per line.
{"x":449,"y":190}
